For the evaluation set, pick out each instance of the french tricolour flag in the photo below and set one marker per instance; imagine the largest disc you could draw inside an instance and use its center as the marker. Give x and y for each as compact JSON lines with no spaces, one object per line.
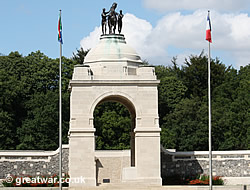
{"x":208,"y":29}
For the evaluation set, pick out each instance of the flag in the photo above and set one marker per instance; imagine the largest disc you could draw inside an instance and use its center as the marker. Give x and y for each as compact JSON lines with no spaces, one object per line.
{"x":208,"y":29}
{"x":60,"y":29}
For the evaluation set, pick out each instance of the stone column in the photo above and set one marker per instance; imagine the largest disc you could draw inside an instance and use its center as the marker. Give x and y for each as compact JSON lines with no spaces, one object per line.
{"x":147,"y":145}
{"x":81,"y":157}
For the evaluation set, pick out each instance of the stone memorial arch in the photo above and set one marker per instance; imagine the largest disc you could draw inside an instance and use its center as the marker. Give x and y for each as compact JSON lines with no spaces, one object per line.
{"x":113,"y":71}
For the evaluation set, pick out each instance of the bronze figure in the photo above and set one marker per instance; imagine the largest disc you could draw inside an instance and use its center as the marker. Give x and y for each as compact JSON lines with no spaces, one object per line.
{"x":120,"y":16}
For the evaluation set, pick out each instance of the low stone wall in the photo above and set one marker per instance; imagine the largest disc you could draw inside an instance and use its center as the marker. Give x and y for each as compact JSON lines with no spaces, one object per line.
{"x":109,"y":163}
{"x":234,"y":166}
{"x":228,"y":164}
{"x":34,"y":163}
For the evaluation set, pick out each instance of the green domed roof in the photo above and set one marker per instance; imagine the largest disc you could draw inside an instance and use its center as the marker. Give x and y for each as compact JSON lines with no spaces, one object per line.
{"x":112,"y":48}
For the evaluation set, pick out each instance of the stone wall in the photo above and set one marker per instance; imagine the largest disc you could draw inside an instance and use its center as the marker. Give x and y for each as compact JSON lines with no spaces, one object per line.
{"x":34,"y":163}
{"x":109,"y":164}
{"x":228,"y":164}
{"x":234,"y":166}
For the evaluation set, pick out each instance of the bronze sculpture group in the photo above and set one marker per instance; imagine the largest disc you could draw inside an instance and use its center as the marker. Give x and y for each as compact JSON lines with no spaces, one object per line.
{"x":113,"y":19}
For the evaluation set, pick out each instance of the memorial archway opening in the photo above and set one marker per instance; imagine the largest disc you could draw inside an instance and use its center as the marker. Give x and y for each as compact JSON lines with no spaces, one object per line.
{"x":114,"y":121}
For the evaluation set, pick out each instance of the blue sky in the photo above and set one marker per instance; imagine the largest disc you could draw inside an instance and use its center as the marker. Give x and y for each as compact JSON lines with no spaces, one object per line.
{"x":29,"y":25}
{"x":157,"y":29}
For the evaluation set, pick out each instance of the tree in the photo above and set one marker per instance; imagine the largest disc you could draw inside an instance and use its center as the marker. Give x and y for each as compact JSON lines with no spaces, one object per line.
{"x":171,"y":92}
{"x":186,"y":127}
{"x":12,"y":109}
{"x":40,"y":128}
{"x":194,"y":75}
{"x":29,"y":101}
{"x":80,"y":55}
{"x":233,"y":99}
{"x":113,"y":126}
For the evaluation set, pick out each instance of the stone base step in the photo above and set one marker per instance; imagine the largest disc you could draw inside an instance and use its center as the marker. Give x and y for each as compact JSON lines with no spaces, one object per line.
{"x":184,"y":187}
{"x":130,"y":187}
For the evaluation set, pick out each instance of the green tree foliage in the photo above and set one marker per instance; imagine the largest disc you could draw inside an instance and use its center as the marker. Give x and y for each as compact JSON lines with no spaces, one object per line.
{"x":231,"y":114}
{"x":171,"y":91}
{"x":29,"y":100}
{"x":186,"y":127}
{"x":12,"y":106}
{"x":194,"y":75}
{"x":184,"y":119}
{"x":79,"y":56}
{"x":113,"y":126}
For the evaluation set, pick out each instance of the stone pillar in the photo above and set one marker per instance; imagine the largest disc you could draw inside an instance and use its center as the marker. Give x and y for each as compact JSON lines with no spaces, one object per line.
{"x":81,"y":136}
{"x":81,"y":157}
{"x":147,"y":150}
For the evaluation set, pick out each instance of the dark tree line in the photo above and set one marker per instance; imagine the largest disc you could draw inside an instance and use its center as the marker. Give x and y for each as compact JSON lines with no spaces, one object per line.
{"x":29,"y":105}
{"x":183,"y":105}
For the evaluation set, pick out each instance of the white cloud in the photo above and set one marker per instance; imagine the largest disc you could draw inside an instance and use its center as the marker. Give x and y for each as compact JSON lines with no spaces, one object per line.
{"x":136,"y":32}
{"x":183,"y":31}
{"x":242,"y":58}
{"x":91,"y":40}
{"x":176,"y":5}
{"x":180,"y":35}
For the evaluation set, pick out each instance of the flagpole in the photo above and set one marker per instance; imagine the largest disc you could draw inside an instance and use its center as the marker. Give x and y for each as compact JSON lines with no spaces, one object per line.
{"x":60,"y":116}
{"x":209,"y":122}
